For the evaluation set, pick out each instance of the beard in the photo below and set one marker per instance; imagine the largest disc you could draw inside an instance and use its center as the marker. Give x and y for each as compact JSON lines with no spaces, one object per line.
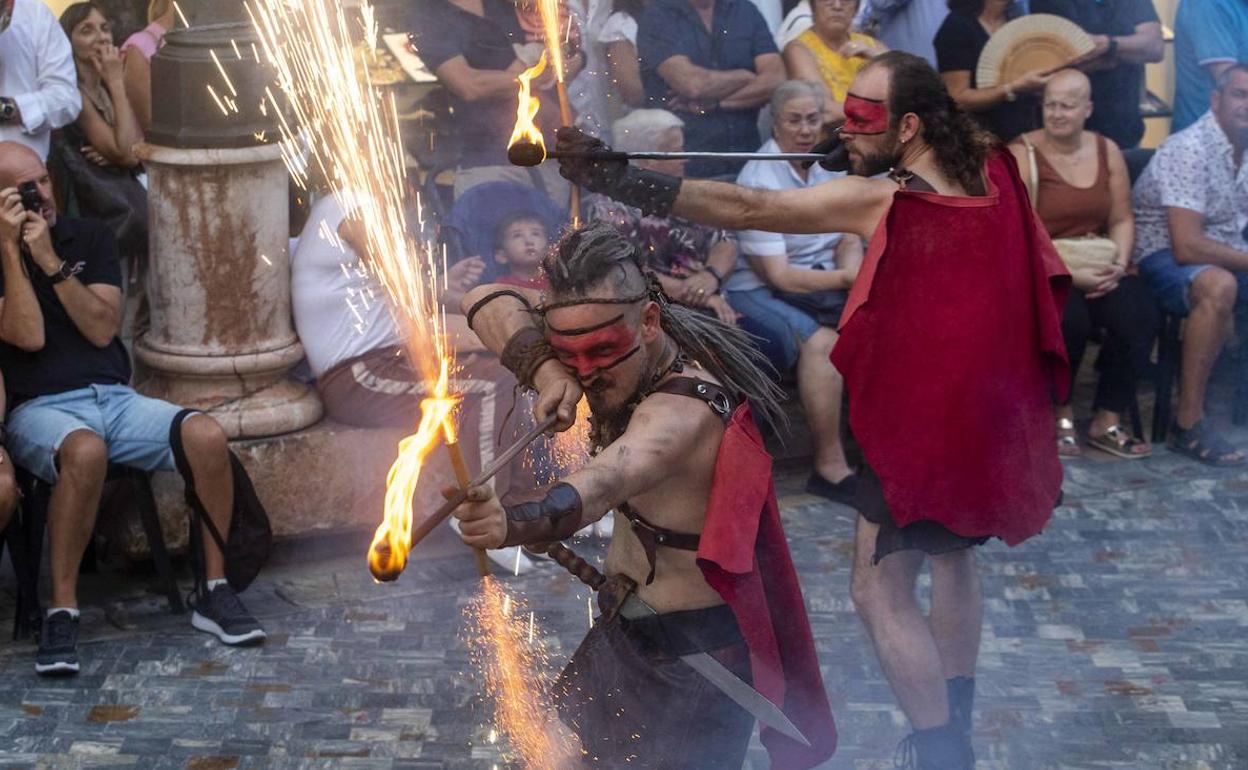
{"x":879,"y":162}
{"x":608,"y":421}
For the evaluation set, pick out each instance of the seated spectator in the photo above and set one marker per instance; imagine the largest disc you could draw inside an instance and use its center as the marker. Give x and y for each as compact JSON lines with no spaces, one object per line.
{"x":619,"y":35}
{"x":136,"y":56}
{"x":96,"y":152}
{"x":1191,"y":214}
{"x":37,"y":92}
{"x":689,"y":260}
{"x":475,"y":49}
{"x":713,"y":63}
{"x":1079,"y":186}
{"x":1006,"y":110}
{"x":829,"y":55}
{"x":1209,"y":37}
{"x":72,"y":411}
{"x":8,"y":481}
{"x":357,"y":352}
{"x":794,"y":287}
{"x":520,"y":244}
{"x":1127,"y":35}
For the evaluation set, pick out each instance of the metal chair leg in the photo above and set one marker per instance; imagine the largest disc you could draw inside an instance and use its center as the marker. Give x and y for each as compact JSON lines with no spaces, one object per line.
{"x":1168,"y":350}
{"x":146,"y":501}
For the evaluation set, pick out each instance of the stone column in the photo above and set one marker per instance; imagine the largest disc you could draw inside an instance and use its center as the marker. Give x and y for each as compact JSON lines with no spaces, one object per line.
{"x":218,"y":283}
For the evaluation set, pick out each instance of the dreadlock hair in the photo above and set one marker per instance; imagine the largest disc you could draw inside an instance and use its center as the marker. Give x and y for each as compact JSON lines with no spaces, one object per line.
{"x":589,"y":259}
{"x":959,"y":144}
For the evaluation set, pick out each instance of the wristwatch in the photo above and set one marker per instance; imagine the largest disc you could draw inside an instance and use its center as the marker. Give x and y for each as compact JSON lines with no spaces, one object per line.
{"x":65,"y":272}
{"x":1112,"y":50}
{"x":1009,"y":93}
{"x":8,"y":110}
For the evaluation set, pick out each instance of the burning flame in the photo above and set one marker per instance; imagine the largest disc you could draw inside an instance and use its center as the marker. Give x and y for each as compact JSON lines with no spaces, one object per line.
{"x":526,"y":129}
{"x":393,"y":541}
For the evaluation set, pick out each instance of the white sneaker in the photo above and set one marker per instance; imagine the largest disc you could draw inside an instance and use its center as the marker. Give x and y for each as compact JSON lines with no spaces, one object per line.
{"x":511,"y":559}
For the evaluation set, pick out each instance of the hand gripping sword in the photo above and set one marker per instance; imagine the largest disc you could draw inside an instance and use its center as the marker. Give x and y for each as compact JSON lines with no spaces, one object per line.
{"x":741,"y":693}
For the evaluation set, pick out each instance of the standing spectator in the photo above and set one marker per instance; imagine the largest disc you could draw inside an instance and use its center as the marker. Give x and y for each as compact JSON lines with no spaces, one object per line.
{"x":714,"y":64}
{"x":1079,"y":187}
{"x":794,"y":287}
{"x":828,"y":54}
{"x":474,"y":47}
{"x":137,"y":53}
{"x":1127,"y":35}
{"x":1191,"y":213}
{"x":73,"y":412}
{"x":37,"y":80}
{"x":1209,"y":37}
{"x":1006,"y":110}
{"x":906,"y":25}
{"x":690,"y":260}
{"x":619,"y":35}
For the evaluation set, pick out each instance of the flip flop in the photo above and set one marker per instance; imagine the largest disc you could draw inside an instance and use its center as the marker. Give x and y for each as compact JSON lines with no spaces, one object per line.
{"x":1068,"y":445}
{"x":1119,"y":443}
{"x":1203,"y":445}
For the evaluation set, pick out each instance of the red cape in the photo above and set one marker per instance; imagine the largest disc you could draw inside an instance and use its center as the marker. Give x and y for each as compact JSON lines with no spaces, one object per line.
{"x":951,"y":349}
{"x":744,"y":556}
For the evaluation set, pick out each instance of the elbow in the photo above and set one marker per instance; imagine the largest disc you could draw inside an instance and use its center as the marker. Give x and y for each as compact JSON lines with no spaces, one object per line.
{"x":30,"y":342}
{"x":1185,"y":252}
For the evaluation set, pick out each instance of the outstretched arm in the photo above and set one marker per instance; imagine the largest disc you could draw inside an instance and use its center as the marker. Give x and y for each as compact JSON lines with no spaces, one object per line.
{"x":847,"y":205}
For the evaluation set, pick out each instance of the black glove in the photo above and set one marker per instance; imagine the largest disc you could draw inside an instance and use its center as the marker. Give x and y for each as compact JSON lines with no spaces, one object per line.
{"x":835,"y":154}
{"x":615,"y":177}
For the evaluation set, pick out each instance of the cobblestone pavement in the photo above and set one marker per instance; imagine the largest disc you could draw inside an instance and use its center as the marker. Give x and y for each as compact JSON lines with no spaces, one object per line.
{"x":1118,"y":639}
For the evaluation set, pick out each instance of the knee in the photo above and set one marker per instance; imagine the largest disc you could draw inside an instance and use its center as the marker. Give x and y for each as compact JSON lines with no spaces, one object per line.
{"x":820,"y":343}
{"x":1215,"y":289}
{"x":82,"y":454}
{"x":8,"y":494}
{"x":866,"y":593}
{"x":204,"y":439}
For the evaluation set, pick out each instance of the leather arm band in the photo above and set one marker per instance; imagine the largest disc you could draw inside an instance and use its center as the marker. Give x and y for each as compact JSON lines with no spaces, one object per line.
{"x":524,"y":353}
{"x":488,"y":298}
{"x":555,"y":517}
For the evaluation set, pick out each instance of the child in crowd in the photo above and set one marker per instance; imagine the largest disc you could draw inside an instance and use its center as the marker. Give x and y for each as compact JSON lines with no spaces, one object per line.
{"x":520,"y":242}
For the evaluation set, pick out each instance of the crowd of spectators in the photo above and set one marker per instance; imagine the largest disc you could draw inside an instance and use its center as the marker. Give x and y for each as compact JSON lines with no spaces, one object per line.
{"x":1143,"y":234}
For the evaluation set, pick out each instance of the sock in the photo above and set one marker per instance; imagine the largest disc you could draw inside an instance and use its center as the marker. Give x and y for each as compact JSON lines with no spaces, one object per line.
{"x":212,"y":584}
{"x":73,"y":611}
{"x":961,"y":691}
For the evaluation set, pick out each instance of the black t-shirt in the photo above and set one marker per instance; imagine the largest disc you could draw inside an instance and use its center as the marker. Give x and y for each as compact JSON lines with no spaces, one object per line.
{"x":68,"y":360}
{"x":441,"y":31}
{"x":959,"y":42}
{"x":1115,"y":92}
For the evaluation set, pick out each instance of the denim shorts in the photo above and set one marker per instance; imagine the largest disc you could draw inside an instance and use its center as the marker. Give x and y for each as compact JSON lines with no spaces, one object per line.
{"x":135,"y":428}
{"x":782,"y":326}
{"x":1171,"y":282}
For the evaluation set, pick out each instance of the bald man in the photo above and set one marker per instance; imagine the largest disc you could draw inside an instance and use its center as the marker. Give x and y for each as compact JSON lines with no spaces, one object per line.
{"x":73,"y":411}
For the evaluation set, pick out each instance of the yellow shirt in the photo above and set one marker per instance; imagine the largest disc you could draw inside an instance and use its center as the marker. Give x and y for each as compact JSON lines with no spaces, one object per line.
{"x":837,"y":71}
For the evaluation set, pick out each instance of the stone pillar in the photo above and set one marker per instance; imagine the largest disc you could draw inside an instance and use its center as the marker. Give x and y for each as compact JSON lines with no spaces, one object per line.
{"x":218,"y":283}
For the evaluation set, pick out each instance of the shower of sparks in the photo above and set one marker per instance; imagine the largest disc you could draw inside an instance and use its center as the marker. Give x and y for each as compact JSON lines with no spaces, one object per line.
{"x":570,"y":449}
{"x":499,"y":641}
{"x":549,"y":11}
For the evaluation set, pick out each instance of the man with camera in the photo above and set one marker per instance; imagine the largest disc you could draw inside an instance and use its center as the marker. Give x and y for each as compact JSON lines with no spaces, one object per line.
{"x":72,"y":409}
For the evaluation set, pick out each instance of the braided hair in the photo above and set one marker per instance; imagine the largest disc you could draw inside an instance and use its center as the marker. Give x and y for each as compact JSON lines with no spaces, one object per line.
{"x":588,"y":259}
{"x":959,"y":144}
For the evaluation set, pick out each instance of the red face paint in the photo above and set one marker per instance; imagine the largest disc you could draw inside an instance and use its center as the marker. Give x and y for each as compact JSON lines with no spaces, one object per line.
{"x":596,"y":350}
{"x":864,"y":116}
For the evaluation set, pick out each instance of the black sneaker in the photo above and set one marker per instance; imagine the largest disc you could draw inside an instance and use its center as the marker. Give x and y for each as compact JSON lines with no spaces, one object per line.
{"x":58,"y":645}
{"x":223,"y":615}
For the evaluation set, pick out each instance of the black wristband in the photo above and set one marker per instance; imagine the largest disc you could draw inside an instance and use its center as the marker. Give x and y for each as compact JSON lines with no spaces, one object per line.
{"x":557,"y":516}
{"x":719,"y":279}
{"x":650,"y":191}
{"x":488,"y":298}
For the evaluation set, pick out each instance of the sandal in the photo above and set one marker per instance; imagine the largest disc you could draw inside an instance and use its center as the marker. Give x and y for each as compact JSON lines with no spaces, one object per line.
{"x":1119,"y":443}
{"x":1068,"y":444}
{"x":1200,"y":443}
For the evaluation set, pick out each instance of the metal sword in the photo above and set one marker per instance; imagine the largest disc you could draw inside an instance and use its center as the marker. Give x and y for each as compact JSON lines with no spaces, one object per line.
{"x":737,"y":690}
{"x":529,"y":154}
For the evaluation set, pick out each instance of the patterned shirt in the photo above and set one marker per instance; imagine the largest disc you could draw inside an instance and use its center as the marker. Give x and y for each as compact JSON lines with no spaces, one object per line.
{"x":676,"y":247}
{"x":1193,"y":169}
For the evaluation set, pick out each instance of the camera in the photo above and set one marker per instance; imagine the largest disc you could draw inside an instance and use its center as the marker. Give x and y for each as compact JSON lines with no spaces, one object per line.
{"x":32,"y":200}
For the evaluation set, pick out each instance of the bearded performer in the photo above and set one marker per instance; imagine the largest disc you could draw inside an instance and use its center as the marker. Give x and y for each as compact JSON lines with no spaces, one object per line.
{"x":951,"y":351}
{"x":703,"y":566}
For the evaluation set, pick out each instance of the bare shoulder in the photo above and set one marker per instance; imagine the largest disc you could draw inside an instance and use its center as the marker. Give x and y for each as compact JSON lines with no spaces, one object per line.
{"x":682,"y":418}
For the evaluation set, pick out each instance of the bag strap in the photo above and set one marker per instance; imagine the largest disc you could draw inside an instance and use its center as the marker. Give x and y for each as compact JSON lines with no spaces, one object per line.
{"x":1033,"y":172}
{"x":198,"y":513}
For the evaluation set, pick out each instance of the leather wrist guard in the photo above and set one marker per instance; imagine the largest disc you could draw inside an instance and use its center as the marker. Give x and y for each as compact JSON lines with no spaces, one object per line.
{"x":524,"y":353}
{"x":555,"y":517}
{"x":650,"y":191}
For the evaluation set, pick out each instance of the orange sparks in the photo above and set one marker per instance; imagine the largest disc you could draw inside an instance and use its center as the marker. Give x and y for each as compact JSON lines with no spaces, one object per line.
{"x":500,"y":642}
{"x":549,"y":11}
{"x":393,"y":541}
{"x":526,"y":129}
{"x":570,"y":449}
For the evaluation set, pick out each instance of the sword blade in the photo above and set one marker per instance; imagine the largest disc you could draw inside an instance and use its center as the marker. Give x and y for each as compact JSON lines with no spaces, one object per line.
{"x":744,"y":695}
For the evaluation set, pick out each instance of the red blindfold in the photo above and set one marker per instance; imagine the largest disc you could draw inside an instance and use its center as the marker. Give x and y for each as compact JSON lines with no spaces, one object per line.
{"x":864,"y":116}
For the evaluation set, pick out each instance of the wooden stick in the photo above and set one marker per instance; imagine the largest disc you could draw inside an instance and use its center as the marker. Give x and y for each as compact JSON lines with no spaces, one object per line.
{"x":465,"y":480}
{"x":565,"y":117}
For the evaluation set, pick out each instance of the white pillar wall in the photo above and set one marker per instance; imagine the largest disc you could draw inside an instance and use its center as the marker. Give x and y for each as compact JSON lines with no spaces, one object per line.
{"x":221,"y":338}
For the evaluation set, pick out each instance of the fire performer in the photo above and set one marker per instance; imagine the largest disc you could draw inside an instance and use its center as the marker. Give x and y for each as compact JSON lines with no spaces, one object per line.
{"x":951,"y":351}
{"x":702,"y":575}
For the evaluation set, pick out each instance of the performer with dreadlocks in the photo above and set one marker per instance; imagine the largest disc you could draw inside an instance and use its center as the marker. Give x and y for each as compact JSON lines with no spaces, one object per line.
{"x":951,"y":350}
{"x":678,"y":455}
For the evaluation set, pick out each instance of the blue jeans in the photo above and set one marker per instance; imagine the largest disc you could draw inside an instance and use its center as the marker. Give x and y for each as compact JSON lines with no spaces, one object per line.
{"x":135,"y":428}
{"x":782,"y":326}
{"x":1171,"y":282}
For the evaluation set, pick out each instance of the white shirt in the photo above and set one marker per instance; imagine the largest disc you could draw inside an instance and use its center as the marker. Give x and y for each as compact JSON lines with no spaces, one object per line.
{"x":1193,"y":169}
{"x":807,"y":252}
{"x":798,"y":21}
{"x":340,"y":309}
{"x":37,"y":71}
